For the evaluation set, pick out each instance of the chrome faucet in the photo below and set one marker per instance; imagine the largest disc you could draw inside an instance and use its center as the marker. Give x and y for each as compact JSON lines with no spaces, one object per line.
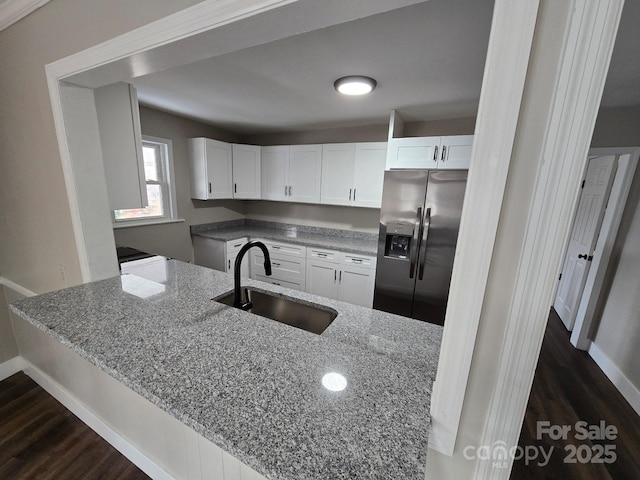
{"x":237,"y":290}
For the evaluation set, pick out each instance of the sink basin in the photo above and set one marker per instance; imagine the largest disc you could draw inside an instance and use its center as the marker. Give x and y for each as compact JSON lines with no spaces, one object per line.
{"x":310,"y":317}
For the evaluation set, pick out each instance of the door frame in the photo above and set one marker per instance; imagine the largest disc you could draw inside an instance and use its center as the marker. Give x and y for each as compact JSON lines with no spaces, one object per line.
{"x":627,"y":159}
{"x":578,"y":97}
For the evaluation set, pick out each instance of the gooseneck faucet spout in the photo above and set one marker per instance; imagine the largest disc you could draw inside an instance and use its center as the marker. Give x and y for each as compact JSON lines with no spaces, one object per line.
{"x":237,"y":291}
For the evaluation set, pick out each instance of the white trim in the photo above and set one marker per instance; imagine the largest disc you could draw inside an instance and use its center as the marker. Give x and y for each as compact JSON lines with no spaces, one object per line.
{"x":627,"y":164}
{"x":11,"y":367}
{"x":12,"y":11}
{"x":512,"y":30}
{"x":140,"y":223}
{"x":628,"y":390}
{"x":143,"y":462}
{"x":583,"y":71}
{"x":17,"y":288}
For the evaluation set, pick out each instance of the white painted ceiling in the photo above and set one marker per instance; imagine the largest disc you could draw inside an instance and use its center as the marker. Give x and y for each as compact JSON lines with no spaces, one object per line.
{"x":428,"y":60}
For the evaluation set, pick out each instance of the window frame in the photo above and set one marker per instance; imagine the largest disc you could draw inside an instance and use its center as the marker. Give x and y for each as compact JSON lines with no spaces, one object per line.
{"x":167,"y":185}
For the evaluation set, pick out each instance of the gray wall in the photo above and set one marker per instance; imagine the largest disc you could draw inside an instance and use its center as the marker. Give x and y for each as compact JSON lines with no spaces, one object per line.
{"x":617,"y":329}
{"x":173,"y":239}
{"x":36,"y":234}
{"x":8,"y":346}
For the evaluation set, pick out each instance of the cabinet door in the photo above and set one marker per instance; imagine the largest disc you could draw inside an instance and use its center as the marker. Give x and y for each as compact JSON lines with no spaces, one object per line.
{"x":355,"y":285}
{"x":219,"y":169}
{"x":246,"y":171}
{"x":322,"y":278}
{"x":274,"y":172}
{"x":305,"y":168}
{"x":456,"y":152}
{"x":231,"y":260}
{"x":338,"y":161}
{"x":418,"y":152}
{"x":121,"y":143}
{"x":368,"y":174}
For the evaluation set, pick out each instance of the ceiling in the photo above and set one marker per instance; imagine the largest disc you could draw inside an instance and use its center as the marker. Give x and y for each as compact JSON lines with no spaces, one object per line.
{"x":428,"y":60}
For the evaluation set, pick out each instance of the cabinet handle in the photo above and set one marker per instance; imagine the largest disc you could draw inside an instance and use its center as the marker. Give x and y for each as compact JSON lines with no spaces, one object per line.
{"x":340,"y":279}
{"x":275,"y":264}
{"x":229,"y":264}
{"x":335,"y":275}
{"x":354,"y":194}
{"x":444,"y":152}
{"x":275,"y":247}
{"x":435,"y":155}
{"x":350,"y":194}
{"x":275,"y":283}
{"x":209,"y":187}
{"x":289,"y":190}
{"x":356,"y":260}
{"x":322,"y":254}
{"x":237,"y":245}
{"x":235,"y":188}
{"x":285,"y":189}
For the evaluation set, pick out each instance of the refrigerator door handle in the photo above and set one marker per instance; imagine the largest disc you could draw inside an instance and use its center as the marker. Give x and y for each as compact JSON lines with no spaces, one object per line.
{"x":423,"y":244}
{"x":414,"y":244}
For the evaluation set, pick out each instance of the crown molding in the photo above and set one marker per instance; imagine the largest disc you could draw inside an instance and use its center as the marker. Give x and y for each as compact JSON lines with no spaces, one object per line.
{"x":13,"y":10}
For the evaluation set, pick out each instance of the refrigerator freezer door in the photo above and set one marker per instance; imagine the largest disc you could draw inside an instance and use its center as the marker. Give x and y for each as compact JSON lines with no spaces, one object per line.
{"x":443,"y":207}
{"x":398,"y":242}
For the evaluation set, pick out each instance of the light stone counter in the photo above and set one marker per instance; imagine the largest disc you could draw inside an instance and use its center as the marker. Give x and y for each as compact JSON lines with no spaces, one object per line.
{"x":253,"y":385}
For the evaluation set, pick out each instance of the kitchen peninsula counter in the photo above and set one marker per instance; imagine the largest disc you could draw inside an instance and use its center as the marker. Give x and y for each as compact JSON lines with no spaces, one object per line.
{"x":349,"y":241}
{"x":251,"y":385}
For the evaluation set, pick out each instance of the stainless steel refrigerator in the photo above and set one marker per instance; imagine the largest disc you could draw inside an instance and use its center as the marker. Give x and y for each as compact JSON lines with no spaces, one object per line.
{"x":419,"y":223}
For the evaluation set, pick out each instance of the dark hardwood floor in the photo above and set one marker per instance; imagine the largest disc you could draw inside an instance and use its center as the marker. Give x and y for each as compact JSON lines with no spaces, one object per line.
{"x":569,"y":387}
{"x":41,"y":439}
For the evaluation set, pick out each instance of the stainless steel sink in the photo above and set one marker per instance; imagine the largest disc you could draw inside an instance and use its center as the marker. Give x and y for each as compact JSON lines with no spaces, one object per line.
{"x":312,"y":318}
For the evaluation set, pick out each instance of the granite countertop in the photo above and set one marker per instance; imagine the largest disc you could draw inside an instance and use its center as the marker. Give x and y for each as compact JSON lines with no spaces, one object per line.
{"x":349,"y":241}
{"x":253,"y":385}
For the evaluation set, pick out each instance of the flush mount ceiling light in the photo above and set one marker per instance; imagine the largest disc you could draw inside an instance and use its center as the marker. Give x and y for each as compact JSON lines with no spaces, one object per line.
{"x":355,"y":85}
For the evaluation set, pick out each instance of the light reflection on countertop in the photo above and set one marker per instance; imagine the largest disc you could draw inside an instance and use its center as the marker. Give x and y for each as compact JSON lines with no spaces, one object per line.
{"x":239,"y":364}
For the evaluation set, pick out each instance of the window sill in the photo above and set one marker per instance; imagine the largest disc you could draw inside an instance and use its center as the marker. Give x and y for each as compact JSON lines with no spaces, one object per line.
{"x":143,"y":223}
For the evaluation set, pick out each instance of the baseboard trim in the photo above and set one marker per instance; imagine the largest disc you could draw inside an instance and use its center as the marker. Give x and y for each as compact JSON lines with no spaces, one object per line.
{"x":143,"y":462}
{"x":11,"y":367}
{"x":628,"y":390}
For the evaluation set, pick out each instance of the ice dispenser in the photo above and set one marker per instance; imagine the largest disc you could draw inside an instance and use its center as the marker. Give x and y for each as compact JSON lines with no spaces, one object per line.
{"x":398,"y":241}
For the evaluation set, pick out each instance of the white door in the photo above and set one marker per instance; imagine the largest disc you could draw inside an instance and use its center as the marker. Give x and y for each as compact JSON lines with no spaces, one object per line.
{"x":455,"y":152}
{"x":274,"y":172}
{"x":219,"y":169}
{"x":584,"y":233}
{"x":337,"y":173}
{"x":322,"y":279}
{"x":305,"y":169}
{"x":246,"y":171}
{"x":355,"y":285}
{"x":369,"y":174}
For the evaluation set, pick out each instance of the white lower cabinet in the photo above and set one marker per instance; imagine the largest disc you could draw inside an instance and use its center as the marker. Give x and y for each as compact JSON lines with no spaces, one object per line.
{"x":218,"y":254}
{"x":341,"y":276}
{"x":288,"y":264}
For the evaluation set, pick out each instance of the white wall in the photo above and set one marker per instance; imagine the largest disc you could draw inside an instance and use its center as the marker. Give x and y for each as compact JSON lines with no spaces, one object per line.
{"x":173,"y":240}
{"x":8,"y":347}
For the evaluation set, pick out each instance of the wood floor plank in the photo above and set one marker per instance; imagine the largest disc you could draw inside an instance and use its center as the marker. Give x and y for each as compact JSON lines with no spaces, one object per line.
{"x":569,"y":387}
{"x":41,"y":440}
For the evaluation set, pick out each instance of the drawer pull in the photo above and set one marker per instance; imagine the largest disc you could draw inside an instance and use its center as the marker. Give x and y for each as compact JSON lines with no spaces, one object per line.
{"x":275,"y":264}
{"x":275,"y":247}
{"x":357,"y":260}
{"x":322,"y":254}
{"x":275,"y":283}
{"x":237,"y":245}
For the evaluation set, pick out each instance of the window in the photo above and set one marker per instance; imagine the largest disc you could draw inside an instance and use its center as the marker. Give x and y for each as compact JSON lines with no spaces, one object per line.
{"x":158,"y":170}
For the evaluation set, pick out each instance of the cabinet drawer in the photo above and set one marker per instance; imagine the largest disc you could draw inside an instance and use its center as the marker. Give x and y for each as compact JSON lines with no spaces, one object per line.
{"x":324,"y":255}
{"x":277,"y":248}
{"x":284,"y":283}
{"x":359,"y":260}
{"x":235,"y":245}
{"x":282,"y":267}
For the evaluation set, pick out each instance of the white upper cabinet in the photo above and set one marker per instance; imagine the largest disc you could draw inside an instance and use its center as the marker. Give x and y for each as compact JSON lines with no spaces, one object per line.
{"x":211,"y":169}
{"x":246,"y":171}
{"x":275,"y":161}
{"x":368,"y":174}
{"x":121,"y":141}
{"x":338,"y":163}
{"x":305,"y":165}
{"x":452,"y":152}
{"x":292,"y":173}
{"x":353,"y":173}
